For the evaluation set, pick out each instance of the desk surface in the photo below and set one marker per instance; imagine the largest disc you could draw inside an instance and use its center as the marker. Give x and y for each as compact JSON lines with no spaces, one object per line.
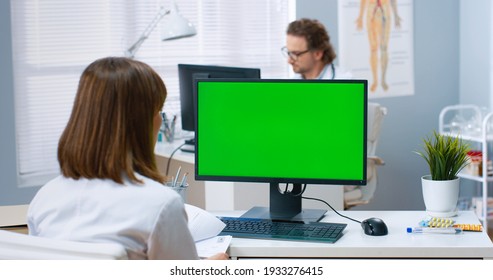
{"x":165,"y":149}
{"x":13,"y":215}
{"x":355,"y":244}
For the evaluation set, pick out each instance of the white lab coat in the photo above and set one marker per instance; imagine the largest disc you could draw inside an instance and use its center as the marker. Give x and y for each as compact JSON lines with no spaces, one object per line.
{"x":149,"y":220}
{"x":327,"y":74}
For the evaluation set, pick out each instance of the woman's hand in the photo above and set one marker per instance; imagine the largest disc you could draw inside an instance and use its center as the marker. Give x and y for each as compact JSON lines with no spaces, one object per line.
{"x":219,"y":256}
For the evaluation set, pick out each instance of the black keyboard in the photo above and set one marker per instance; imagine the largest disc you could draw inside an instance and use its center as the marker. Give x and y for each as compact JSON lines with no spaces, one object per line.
{"x":268,"y":229}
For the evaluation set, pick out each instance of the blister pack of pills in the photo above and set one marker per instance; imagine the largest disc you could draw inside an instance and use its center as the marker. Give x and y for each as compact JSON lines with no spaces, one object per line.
{"x":437,"y":222}
{"x":469,"y":227}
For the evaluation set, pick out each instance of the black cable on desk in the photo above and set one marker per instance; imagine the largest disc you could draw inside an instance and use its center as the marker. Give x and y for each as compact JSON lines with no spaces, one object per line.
{"x":317,"y":199}
{"x":171,"y":156}
{"x":323,"y":201}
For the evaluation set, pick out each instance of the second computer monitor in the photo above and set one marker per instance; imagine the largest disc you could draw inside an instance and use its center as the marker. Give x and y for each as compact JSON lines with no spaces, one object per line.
{"x":188,"y":73}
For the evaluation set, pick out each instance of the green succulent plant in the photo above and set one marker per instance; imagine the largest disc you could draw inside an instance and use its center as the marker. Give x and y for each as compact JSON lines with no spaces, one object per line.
{"x":446,"y":156}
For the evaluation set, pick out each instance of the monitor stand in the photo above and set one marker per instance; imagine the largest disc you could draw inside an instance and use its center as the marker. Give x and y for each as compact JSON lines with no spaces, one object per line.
{"x":285,"y":207}
{"x":189,"y":146}
{"x":190,"y":141}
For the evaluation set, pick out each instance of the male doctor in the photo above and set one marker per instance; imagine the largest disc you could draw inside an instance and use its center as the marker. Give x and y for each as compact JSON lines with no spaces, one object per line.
{"x":309,"y":51}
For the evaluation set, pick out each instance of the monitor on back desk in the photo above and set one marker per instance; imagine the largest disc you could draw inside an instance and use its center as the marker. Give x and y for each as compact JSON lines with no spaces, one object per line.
{"x":188,"y":74}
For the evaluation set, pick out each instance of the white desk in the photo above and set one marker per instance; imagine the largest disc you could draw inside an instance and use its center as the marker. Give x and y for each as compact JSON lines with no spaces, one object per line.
{"x":227,"y":196}
{"x":355,"y":244}
{"x":13,"y":215}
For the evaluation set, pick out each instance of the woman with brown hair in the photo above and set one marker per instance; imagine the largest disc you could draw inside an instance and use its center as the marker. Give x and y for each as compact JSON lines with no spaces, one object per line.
{"x":110,"y":189}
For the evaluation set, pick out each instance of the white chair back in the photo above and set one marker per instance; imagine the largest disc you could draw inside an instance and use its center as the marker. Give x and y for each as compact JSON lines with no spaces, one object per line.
{"x":18,"y":246}
{"x":376,"y":112}
{"x":357,"y":195}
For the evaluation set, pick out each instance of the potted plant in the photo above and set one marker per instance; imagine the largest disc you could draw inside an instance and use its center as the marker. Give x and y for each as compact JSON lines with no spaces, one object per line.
{"x":446,"y":157}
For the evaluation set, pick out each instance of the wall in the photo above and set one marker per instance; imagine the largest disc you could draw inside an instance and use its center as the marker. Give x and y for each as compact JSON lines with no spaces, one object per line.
{"x":10,"y":194}
{"x":475,"y":63}
{"x":410,"y":118}
{"x":475,"y":52}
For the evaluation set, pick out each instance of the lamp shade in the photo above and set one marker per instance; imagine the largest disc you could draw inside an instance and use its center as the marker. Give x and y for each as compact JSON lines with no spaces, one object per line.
{"x":175,"y":26}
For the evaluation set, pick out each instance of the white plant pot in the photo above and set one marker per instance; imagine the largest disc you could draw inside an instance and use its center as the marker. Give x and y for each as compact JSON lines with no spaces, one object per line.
{"x":440,"y":197}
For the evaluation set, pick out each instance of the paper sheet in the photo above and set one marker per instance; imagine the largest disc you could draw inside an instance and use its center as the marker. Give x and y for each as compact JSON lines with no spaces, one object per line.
{"x":212,"y":246}
{"x":202,"y":224}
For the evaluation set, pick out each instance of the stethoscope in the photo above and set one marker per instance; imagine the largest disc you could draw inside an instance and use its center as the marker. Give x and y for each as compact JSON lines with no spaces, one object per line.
{"x":325,"y":69}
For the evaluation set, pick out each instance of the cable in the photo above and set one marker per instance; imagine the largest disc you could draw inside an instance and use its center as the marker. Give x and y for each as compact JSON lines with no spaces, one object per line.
{"x":286,"y":191}
{"x":171,"y":156}
{"x":317,"y":199}
{"x":301,"y":191}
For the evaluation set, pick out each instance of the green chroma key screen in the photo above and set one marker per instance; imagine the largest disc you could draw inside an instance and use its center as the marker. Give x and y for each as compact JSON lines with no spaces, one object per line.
{"x":307,"y":131}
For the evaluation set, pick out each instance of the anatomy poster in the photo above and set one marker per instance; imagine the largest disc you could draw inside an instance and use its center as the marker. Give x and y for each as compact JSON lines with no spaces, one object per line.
{"x":376,"y":44}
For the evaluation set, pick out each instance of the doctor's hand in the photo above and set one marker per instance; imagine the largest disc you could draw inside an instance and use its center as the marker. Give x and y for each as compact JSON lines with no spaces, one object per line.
{"x":219,"y":256}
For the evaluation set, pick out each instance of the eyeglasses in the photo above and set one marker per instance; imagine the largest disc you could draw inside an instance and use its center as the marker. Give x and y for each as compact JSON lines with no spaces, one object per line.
{"x":292,"y":55}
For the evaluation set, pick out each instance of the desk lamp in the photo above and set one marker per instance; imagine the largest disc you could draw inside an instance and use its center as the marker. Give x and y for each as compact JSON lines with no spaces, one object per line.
{"x":175,"y":27}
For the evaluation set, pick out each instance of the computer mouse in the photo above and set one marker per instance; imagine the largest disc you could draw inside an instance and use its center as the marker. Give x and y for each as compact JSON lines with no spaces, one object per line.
{"x":374,"y":226}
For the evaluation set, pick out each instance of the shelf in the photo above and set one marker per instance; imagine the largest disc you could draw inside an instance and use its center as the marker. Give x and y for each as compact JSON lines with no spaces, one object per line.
{"x":489,"y":218}
{"x":470,"y":123}
{"x":469,"y":137}
{"x":475,"y":178}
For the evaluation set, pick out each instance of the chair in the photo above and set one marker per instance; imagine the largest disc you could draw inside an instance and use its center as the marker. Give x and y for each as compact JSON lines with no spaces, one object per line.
{"x":358,"y":195}
{"x":18,"y":246}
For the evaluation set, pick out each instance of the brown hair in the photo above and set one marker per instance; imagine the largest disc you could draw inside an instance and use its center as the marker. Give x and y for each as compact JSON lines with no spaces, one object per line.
{"x":110,"y":132}
{"x":316,"y":37}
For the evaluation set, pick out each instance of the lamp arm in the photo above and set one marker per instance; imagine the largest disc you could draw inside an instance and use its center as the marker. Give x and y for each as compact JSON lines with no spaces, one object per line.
{"x":130,"y":52}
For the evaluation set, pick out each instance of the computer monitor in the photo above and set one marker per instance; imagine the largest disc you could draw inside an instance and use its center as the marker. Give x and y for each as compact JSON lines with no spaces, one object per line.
{"x":188,"y":73}
{"x":282,"y":132}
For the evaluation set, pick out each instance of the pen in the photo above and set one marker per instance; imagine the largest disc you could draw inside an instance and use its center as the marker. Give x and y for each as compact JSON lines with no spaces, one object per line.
{"x":173,"y":121}
{"x":176,"y":177}
{"x":426,"y":230}
{"x":184,"y":180}
{"x":165,"y":121}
